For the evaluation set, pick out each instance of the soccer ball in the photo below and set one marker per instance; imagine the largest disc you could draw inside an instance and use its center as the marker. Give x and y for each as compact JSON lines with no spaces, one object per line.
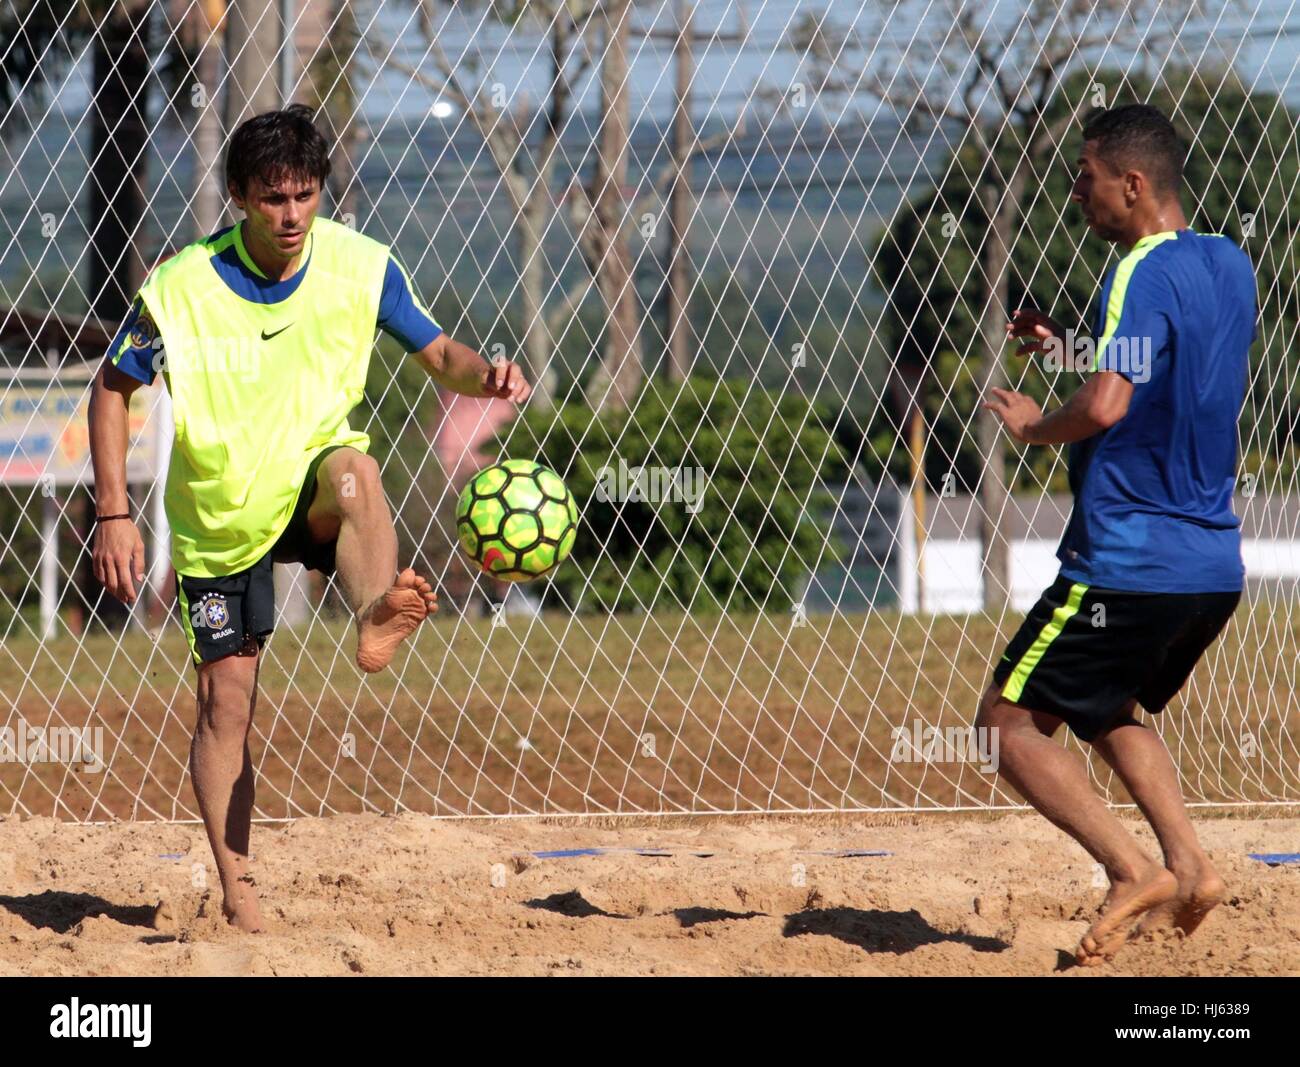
{"x":516,"y":520}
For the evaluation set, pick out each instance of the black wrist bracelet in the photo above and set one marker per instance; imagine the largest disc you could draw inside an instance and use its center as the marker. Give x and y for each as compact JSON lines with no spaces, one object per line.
{"x":106,"y":518}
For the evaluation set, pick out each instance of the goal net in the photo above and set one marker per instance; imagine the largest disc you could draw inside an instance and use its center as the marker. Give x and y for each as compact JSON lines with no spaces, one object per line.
{"x":756,"y":260}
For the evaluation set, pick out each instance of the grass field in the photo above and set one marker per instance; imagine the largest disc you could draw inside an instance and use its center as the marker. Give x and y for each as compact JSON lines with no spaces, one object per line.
{"x":655,"y":713}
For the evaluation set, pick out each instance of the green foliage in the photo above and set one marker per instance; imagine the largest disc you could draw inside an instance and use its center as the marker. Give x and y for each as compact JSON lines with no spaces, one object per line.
{"x":754,"y":530}
{"x":41,"y":40}
{"x":929,"y":262}
{"x":37,"y":45}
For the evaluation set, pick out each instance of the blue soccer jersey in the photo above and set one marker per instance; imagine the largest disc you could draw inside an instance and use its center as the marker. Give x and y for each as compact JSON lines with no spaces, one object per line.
{"x":1153,"y":493}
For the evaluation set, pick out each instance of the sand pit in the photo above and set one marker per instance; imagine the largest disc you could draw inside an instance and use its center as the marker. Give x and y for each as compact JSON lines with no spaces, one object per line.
{"x":372,"y":895}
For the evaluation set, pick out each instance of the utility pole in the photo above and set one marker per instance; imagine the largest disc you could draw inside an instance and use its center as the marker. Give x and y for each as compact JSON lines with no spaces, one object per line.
{"x":681,"y":203}
{"x":288,"y":51}
{"x":620,"y":372}
{"x":252,"y":41}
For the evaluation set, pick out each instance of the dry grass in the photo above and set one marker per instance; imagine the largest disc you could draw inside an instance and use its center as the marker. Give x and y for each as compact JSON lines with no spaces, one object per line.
{"x":663,"y":713}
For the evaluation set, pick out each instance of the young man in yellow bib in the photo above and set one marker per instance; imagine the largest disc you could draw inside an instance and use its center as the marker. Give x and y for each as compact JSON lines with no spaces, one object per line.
{"x":263,"y":332}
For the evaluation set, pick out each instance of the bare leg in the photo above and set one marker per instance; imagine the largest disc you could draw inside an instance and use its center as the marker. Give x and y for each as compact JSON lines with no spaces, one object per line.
{"x":350,"y":505}
{"x":223,"y":778}
{"x":1056,"y":783}
{"x":1143,"y":764}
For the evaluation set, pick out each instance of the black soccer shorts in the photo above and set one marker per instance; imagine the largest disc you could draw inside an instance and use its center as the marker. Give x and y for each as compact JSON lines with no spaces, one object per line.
{"x":234,"y":614}
{"x":1083,"y":652}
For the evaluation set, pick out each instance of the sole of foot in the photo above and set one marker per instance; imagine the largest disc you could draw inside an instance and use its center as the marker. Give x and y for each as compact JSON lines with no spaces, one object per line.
{"x":392,"y":618}
{"x":1125,"y":902}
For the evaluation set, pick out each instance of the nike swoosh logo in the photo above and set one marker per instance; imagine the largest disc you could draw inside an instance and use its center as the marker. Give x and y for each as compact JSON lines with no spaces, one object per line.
{"x":267,"y":336}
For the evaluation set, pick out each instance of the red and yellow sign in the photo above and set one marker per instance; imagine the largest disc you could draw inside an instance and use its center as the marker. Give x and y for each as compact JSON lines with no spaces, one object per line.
{"x":44,"y":431}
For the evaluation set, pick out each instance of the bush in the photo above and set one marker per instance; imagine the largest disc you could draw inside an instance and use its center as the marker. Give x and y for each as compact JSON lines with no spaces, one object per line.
{"x":757,"y":529}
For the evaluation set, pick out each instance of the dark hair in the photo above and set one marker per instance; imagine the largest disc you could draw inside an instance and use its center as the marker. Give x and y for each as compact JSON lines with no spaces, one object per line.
{"x":1139,"y":137}
{"x":277,"y":145}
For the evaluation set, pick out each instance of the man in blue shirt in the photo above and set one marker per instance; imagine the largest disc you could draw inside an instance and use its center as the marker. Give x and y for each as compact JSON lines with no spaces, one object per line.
{"x":1151,"y":567}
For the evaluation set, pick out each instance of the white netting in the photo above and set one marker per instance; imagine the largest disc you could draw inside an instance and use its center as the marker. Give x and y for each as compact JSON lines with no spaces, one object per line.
{"x":733,"y":238}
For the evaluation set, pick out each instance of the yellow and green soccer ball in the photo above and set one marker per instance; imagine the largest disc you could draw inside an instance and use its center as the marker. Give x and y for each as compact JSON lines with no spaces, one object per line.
{"x":516,"y":520}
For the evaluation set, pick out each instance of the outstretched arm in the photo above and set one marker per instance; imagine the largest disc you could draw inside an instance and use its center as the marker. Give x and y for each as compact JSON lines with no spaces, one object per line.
{"x":451,"y":364}
{"x":462,"y":370}
{"x":1100,"y":403}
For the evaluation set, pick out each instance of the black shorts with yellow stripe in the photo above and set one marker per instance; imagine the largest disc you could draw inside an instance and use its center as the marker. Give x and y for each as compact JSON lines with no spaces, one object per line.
{"x":1083,"y":652}
{"x":234,"y":614}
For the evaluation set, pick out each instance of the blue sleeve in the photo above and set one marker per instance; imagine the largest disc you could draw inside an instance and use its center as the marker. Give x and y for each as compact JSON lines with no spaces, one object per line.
{"x":137,"y":348}
{"x":1135,"y":321}
{"x":401,"y":315}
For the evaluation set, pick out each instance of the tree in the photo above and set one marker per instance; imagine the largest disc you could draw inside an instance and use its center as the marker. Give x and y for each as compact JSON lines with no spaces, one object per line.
{"x":332,"y":76}
{"x":619,"y":373}
{"x":994,"y":90}
{"x":40,"y":42}
{"x":527,"y":163}
{"x":204,"y":27}
{"x":116,"y":199}
{"x":253,"y":42}
{"x":524,"y":144}
{"x":1233,"y":185}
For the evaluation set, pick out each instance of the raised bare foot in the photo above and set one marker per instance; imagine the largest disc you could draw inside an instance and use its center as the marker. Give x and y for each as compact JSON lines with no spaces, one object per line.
{"x":392,"y":618}
{"x":241,"y":908}
{"x":1199,"y":892}
{"x":1124,"y":903}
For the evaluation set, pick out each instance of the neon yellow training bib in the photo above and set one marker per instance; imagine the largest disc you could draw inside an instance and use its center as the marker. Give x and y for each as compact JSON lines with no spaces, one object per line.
{"x":258,"y":389}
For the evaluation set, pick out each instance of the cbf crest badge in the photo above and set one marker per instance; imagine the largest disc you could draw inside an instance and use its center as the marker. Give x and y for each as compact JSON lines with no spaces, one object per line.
{"x":215,"y":613}
{"x":143,"y":331}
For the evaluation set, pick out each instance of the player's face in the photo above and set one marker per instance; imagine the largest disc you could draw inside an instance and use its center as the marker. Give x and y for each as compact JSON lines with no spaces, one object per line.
{"x":280,"y":215}
{"x":1099,"y":192}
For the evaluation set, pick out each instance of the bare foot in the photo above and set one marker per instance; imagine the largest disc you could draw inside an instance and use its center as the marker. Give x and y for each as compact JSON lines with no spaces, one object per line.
{"x":1124,"y":903}
{"x":1199,"y":893}
{"x":392,"y":618}
{"x":164,"y":917}
{"x":241,"y":908}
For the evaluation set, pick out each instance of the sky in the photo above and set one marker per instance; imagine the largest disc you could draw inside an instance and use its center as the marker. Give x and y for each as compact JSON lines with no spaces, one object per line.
{"x":1259,"y":38}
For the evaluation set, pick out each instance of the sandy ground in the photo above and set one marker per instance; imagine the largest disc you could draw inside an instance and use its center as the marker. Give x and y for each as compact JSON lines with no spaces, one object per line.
{"x":408,"y":895}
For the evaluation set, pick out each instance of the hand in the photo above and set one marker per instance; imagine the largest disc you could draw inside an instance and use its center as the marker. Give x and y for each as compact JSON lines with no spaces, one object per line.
{"x":118,"y":554}
{"x":505,"y":381}
{"x":1036,"y":327}
{"x":1017,"y":412}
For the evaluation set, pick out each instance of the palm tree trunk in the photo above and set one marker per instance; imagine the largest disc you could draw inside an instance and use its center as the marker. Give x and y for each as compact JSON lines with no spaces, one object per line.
{"x":209,"y":186}
{"x":119,"y":138}
{"x":619,"y":376}
{"x":253,"y":39}
{"x":1003,"y":206}
{"x":679,"y":360}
